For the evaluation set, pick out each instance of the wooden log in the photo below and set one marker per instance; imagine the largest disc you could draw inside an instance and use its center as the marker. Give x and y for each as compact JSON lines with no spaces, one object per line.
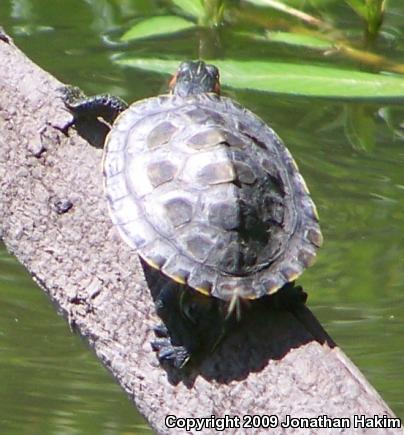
{"x":53,"y":218}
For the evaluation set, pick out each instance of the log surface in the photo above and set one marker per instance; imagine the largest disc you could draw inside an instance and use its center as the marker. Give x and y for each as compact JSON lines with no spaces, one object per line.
{"x":53,"y":218}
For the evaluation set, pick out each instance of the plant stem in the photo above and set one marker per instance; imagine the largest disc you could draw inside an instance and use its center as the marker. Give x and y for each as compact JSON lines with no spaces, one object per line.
{"x":296,"y":13}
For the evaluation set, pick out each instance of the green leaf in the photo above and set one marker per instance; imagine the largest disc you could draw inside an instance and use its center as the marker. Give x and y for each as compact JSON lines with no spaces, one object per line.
{"x":258,"y":2}
{"x":294,"y":79}
{"x":193,"y":8}
{"x":157,"y":26}
{"x":295,"y":39}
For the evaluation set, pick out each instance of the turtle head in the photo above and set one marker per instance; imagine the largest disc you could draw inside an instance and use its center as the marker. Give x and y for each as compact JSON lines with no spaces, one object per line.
{"x":195,"y":77}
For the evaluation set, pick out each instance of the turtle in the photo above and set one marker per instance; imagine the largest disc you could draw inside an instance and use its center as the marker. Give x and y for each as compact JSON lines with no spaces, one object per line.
{"x":205,"y":191}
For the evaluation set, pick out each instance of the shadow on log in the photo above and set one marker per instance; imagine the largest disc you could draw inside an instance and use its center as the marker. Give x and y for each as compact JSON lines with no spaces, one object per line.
{"x":54,"y":220}
{"x":265,"y":325}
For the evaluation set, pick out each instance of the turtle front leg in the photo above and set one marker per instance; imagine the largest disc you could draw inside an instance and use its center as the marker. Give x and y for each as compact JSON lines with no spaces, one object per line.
{"x":104,"y":106}
{"x":93,"y":116}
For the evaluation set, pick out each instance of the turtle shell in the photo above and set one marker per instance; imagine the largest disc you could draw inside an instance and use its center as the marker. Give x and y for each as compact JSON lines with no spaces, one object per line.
{"x":206,"y":192}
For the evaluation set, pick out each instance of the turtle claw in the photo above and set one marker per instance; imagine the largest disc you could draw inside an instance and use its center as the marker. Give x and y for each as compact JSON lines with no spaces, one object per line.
{"x":158,"y":345}
{"x":177,"y":356}
{"x":161,"y":331}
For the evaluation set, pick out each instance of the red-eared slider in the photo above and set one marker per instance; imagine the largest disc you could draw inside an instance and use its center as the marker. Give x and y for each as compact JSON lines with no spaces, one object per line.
{"x":207,"y":193}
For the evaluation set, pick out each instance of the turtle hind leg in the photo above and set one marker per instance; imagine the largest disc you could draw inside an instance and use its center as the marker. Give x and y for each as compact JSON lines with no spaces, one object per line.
{"x":289,"y":297}
{"x":177,"y":342}
{"x":93,"y":116}
{"x":177,"y":356}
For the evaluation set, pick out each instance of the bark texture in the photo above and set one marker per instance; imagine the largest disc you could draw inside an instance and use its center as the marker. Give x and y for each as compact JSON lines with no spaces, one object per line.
{"x":53,"y":218}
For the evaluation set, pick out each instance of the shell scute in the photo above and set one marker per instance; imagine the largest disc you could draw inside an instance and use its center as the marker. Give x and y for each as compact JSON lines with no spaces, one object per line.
{"x":208,"y":167}
{"x":160,"y":134}
{"x":157,"y":253}
{"x":207,"y":138}
{"x":203,"y":279}
{"x":216,"y":173}
{"x":199,"y":246}
{"x":245,"y":173}
{"x":179,"y":267}
{"x":138,"y":233}
{"x":315,"y":237}
{"x":224,"y":215}
{"x":125,"y":210}
{"x":160,"y":172}
{"x":116,"y":188}
{"x":179,"y":211}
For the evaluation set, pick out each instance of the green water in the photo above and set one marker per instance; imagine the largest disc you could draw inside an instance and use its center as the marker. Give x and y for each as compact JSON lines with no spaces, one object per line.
{"x":50,"y":383}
